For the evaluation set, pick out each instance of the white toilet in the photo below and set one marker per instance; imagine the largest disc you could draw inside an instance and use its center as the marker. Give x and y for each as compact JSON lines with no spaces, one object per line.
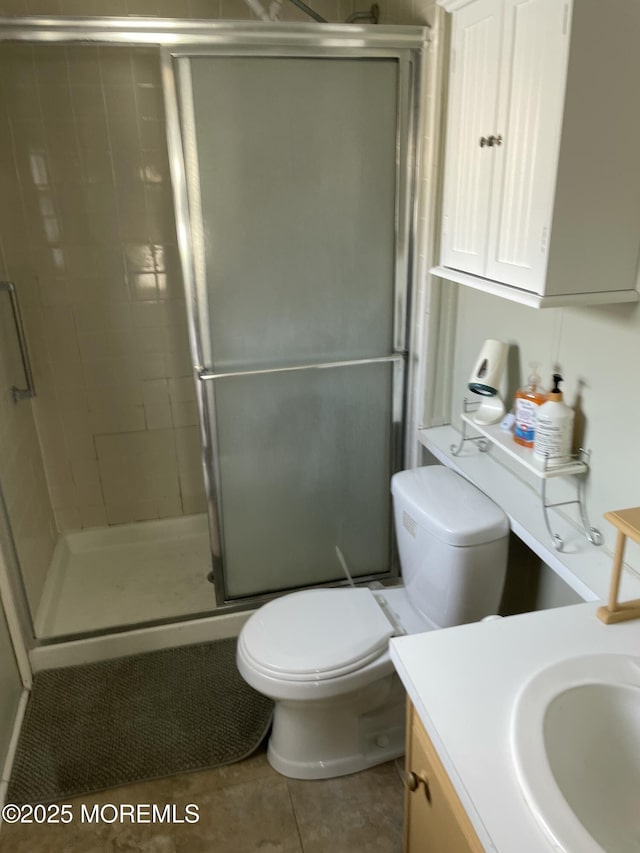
{"x":322,"y":654}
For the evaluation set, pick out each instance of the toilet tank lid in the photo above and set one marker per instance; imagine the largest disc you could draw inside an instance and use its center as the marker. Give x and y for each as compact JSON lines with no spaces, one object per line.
{"x":449,"y":507}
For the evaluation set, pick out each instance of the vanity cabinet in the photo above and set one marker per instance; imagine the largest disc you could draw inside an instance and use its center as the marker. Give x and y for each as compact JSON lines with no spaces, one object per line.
{"x":541,"y":194}
{"x":435,"y":820}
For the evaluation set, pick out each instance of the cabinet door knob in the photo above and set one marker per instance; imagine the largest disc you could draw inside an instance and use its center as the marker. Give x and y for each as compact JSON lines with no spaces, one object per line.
{"x":484,"y":141}
{"x":411,"y":780}
{"x":494,"y":140}
{"x":414,"y":780}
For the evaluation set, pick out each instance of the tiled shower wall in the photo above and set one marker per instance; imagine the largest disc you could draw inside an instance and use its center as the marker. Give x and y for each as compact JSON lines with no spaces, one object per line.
{"x":88,"y":235}
{"x":93,"y":251}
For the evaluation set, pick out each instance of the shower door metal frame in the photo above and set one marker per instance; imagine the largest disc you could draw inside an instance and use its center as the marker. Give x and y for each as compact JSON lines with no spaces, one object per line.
{"x":184,"y":171}
{"x":183,"y":37}
{"x":177,"y":33}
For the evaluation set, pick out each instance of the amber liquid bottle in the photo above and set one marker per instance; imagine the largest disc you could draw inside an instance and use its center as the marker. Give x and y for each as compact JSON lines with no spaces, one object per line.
{"x":527,"y":401}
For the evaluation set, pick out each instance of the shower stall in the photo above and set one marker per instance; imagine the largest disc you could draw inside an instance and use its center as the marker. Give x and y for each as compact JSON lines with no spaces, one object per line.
{"x":207,"y":231}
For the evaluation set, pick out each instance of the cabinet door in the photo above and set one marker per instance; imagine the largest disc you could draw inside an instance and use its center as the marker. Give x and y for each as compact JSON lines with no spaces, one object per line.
{"x":472,"y":116}
{"x":435,"y":819}
{"x":532,"y":85}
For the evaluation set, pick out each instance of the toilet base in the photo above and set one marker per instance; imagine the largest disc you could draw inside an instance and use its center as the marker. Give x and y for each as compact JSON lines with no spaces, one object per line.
{"x":327,"y":738}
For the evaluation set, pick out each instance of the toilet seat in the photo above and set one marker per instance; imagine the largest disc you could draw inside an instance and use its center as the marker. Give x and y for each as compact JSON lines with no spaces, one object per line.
{"x":316,"y":634}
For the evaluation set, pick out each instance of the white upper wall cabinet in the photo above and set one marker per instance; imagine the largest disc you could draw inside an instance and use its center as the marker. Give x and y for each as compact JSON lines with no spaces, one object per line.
{"x":541,"y":196}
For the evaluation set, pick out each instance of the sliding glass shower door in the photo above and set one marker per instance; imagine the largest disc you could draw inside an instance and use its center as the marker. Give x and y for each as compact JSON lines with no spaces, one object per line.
{"x":299,"y":239}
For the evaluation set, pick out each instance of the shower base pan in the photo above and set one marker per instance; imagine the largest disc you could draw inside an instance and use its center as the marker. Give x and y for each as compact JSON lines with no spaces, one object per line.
{"x":126,"y":575}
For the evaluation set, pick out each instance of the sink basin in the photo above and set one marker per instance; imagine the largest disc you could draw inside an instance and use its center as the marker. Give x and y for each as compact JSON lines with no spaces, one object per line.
{"x":575,"y":740}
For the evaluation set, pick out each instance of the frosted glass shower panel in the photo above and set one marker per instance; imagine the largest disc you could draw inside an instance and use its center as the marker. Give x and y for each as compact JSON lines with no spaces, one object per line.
{"x":305,"y":465}
{"x":296,"y":160}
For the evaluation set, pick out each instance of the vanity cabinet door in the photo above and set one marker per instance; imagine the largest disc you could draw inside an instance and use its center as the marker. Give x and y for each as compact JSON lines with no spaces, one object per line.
{"x":435,"y":820}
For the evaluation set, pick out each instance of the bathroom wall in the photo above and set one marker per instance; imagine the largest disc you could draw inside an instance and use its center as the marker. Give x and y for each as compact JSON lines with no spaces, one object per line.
{"x":597,"y":350}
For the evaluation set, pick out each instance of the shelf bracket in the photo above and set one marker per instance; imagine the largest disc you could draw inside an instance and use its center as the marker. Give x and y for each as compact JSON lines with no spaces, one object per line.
{"x":481,"y":443}
{"x":593,"y":535}
{"x":577,"y":468}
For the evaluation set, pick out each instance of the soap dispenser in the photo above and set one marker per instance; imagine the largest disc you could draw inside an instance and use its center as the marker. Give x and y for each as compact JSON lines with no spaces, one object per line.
{"x":554,"y":427}
{"x":527,"y":402}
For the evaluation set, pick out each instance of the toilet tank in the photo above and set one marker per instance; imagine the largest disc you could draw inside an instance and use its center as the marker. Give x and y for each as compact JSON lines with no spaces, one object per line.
{"x":452,"y":543}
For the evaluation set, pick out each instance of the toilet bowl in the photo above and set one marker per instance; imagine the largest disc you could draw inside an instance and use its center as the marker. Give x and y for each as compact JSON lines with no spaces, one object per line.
{"x":322,"y":654}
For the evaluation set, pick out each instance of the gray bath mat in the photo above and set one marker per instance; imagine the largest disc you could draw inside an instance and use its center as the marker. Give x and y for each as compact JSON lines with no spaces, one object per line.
{"x":99,"y":725}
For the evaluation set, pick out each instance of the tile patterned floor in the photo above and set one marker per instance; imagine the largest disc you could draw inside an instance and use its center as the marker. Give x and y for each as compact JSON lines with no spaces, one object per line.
{"x":243,"y":808}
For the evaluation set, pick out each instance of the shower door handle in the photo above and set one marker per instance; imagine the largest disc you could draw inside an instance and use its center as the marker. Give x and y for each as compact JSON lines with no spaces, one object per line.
{"x":206,"y":374}
{"x":30,"y":391}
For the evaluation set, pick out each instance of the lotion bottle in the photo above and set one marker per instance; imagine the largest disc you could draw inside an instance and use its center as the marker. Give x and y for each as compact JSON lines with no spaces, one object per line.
{"x":527,"y":402}
{"x":554,"y":427}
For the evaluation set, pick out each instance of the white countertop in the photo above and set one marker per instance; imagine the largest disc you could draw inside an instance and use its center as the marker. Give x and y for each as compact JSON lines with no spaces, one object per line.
{"x":463,"y":682}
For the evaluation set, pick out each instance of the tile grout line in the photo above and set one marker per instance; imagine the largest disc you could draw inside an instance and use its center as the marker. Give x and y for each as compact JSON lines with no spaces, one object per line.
{"x":295,"y":816}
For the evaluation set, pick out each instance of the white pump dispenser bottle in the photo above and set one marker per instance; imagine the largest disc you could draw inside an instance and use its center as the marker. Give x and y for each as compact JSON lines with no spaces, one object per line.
{"x":554,"y":427}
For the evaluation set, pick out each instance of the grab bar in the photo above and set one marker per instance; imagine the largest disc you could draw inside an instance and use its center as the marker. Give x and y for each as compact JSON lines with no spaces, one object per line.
{"x":30,"y":391}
